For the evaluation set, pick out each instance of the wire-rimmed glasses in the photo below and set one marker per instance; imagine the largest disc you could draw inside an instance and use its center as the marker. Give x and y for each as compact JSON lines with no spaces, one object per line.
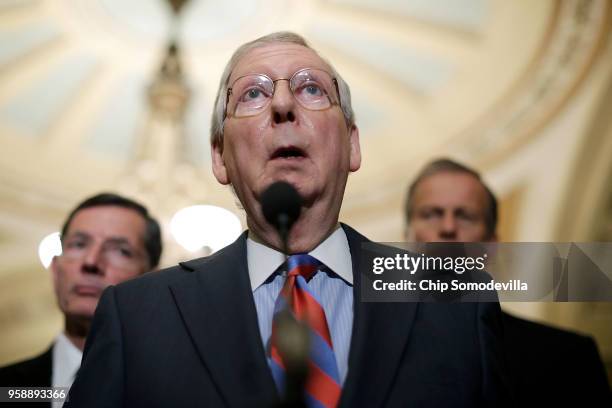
{"x":314,"y":89}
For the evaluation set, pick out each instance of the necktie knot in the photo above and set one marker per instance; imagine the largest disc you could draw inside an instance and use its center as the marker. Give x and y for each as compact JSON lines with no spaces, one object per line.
{"x":303,"y":265}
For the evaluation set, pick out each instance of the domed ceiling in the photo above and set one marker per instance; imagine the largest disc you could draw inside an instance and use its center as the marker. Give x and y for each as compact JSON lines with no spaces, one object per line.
{"x":474,"y":78}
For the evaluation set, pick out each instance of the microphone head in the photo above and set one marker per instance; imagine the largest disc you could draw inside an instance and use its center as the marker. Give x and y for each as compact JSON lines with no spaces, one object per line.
{"x":281,"y":205}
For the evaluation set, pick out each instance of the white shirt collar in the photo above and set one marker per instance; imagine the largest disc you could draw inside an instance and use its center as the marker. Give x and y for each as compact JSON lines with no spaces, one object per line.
{"x":66,"y":361}
{"x":334,"y":252}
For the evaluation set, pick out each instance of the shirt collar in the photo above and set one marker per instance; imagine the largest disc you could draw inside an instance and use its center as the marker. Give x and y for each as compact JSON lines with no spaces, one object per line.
{"x":334,"y":252}
{"x":66,"y":361}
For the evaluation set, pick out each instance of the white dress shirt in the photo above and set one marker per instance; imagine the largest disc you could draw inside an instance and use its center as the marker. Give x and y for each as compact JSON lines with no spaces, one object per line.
{"x":66,"y":361}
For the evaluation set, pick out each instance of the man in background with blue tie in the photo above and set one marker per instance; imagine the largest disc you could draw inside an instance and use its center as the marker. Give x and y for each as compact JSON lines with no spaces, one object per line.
{"x":205,"y":333}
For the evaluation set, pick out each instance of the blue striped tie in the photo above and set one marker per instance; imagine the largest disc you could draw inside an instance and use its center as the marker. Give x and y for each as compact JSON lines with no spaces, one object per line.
{"x":322,"y":386}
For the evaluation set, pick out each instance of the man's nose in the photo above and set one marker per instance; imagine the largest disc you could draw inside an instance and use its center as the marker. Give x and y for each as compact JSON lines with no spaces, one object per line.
{"x":92,"y":262}
{"x":283,"y":103}
{"x":448,"y":229}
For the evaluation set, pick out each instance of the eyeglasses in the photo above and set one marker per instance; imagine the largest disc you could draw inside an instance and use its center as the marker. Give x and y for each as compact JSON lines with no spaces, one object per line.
{"x":116,"y":252}
{"x":249,"y":95}
{"x":462,"y":217}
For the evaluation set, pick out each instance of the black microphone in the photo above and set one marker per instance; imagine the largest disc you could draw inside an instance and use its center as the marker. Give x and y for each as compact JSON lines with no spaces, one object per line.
{"x":281,"y":205}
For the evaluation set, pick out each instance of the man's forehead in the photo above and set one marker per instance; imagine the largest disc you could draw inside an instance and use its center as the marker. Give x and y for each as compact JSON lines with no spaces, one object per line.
{"x":451,"y":189}
{"x":278,"y":59}
{"x":108,"y":221}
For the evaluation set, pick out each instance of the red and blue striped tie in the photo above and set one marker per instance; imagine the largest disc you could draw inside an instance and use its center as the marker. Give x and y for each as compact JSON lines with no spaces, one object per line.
{"x":322,"y":388}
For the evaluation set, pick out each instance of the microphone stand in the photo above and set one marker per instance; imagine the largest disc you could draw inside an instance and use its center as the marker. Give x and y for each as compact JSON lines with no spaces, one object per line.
{"x":293,"y":339}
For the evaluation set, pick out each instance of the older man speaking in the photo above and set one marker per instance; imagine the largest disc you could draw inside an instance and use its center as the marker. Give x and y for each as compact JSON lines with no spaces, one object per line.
{"x":205,"y":333}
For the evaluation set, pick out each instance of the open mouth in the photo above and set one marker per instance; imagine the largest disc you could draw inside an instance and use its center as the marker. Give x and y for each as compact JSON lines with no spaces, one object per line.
{"x":288,"y":153}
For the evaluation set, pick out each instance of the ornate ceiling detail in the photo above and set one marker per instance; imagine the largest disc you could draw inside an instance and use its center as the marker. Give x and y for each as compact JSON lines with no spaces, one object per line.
{"x":576,"y":34}
{"x":475,"y":78}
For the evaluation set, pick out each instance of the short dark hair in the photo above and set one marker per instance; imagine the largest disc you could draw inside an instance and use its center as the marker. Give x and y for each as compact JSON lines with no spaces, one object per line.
{"x":152,"y":237}
{"x":445,"y":165}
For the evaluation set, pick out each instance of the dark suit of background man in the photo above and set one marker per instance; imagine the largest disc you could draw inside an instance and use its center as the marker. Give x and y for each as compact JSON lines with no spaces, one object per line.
{"x":548,"y":366}
{"x":197,"y":334}
{"x":106,"y":239}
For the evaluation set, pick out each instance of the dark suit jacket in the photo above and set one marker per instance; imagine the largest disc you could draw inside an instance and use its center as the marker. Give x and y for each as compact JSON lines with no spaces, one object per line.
{"x":35,"y":372}
{"x":188,"y":337}
{"x":552,"y":367}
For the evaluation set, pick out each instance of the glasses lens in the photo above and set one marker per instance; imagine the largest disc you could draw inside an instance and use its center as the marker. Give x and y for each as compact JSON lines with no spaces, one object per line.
{"x":119,"y":254}
{"x":312,"y":88}
{"x":250,"y":94}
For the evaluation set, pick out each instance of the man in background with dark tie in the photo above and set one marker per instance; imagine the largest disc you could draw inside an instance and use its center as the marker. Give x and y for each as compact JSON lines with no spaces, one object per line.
{"x":449,"y":202}
{"x":106,"y":239}
{"x":206,"y":333}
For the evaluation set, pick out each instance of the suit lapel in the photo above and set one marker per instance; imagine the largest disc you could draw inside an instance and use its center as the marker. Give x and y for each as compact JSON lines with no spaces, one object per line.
{"x":380,"y":335}
{"x":43,"y":370}
{"x":46,"y":371}
{"x":216,"y":303}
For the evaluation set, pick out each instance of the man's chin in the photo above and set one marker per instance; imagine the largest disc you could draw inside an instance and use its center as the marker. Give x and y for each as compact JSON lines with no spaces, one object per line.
{"x":82,"y":309}
{"x":305,"y":186}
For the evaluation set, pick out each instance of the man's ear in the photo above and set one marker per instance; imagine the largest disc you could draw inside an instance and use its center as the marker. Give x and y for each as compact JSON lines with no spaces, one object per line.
{"x":355,"y":154}
{"x":408,"y":235}
{"x":54,"y":267}
{"x":218,"y":163}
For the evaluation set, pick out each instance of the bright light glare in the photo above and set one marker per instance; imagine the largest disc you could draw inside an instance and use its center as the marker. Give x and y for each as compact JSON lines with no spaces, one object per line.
{"x":49,"y":247}
{"x":202,"y":226}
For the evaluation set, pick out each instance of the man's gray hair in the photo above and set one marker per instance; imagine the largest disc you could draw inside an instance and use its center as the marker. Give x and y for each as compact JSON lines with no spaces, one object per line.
{"x":218,"y":116}
{"x":445,"y":165}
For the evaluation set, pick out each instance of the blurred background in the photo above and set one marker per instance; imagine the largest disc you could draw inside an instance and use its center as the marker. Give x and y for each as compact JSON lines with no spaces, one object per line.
{"x":117,"y":95}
